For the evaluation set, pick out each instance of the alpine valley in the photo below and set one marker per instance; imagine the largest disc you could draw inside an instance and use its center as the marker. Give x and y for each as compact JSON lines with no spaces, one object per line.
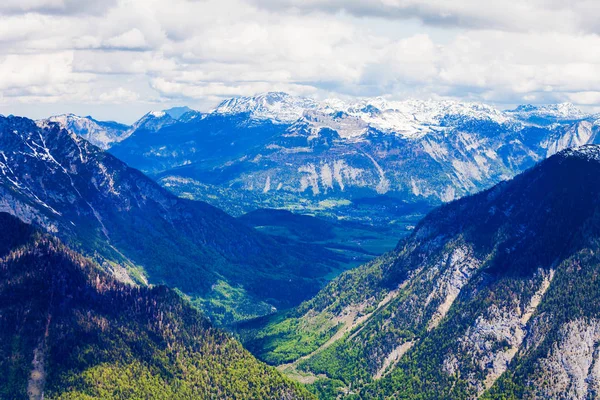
{"x":493,"y":296}
{"x":299,"y":200}
{"x":374,"y":166}
{"x":354,"y":250}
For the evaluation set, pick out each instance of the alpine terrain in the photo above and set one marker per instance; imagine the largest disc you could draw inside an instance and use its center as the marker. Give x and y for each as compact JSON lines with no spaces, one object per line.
{"x":299,"y":199}
{"x":141,"y":233}
{"x":492,"y":296}
{"x":345,"y":159}
{"x":71,"y":331}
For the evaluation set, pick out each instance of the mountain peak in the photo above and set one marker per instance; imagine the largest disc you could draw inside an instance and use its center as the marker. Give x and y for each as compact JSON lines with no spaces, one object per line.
{"x":86,"y":195}
{"x":559,"y":111}
{"x":279,"y":107}
{"x":589,"y":152}
{"x":153,"y":121}
{"x":411,"y":118}
{"x":178,"y":112}
{"x":168,"y":116}
{"x":157,"y":114}
{"x":407,"y":117}
{"x":100,"y":133}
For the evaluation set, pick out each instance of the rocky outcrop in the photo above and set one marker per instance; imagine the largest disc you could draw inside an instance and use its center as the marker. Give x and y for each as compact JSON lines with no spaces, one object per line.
{"x":572,"y":369}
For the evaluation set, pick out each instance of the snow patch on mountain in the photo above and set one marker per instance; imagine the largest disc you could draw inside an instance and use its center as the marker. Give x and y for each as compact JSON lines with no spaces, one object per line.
{"x":276,"y":106}
{"x":588,"y":152}
{"x":414,"y":118}
{"x":409,"y":118}
{"x":153,"y":121}
{"x":561,"y":111}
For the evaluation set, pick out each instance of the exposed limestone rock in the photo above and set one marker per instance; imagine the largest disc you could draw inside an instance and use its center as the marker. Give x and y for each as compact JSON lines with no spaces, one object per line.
{"x":462,"y":265}
{"x":571,"y":370}
{"x":393,"y":358}
{"x":495,"y":338}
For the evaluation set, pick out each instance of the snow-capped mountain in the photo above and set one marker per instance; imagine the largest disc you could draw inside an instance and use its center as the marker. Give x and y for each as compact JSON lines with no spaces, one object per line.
{"x":100,"y":133}
{"x":410,"y":118}
{"x":105,"y":134}
{"x":279,"y":150}
{"x":548,"y":114}
{"x":275,"y":106}
{"x":407,"y":118}
{"x":283,"y":151}
{"x":155,"y":120}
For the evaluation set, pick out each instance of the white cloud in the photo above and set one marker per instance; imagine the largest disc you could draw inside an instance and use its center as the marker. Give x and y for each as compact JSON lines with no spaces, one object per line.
{"x":36,"y":72}
{"x":118,"y":96}
{"x":131,"y":52}
{"x":587,"y":97}
{"x":133,"y":39}
{"x":56,"y":6}
{"x":522,"y":15}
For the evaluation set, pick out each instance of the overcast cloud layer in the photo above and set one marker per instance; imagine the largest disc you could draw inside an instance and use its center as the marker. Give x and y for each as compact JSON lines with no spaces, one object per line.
{"x":119,"y":58}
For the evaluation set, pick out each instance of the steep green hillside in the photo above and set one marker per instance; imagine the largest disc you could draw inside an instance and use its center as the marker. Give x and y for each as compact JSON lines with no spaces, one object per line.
{"x":495,"y":295}
{"x":70,"y":331}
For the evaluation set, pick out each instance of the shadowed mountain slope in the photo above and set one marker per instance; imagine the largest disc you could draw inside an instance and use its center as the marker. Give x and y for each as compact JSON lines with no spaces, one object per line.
{"x":71,"y":331}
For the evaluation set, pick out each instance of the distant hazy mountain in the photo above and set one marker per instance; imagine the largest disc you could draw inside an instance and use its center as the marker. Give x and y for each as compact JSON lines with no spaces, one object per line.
{"x":276,"y":150}
{"x":141,"y":232}
{"x":549,"y":114}
{"x":105,"y":134}
{"x":156,"y":120}
{"x":71,"y":331}
{"x":100,"y":133}
{"x":493,"y":296}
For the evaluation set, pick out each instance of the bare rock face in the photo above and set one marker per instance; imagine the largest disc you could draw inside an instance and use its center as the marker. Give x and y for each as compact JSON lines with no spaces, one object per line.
{"x":100,"y":133}
{"x":572,"y":368}
{"x":496,"y":337}
{"x":575,"y":135}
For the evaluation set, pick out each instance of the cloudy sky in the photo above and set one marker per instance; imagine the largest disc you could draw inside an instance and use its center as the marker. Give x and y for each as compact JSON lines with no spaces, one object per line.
{"x":117,"y":59}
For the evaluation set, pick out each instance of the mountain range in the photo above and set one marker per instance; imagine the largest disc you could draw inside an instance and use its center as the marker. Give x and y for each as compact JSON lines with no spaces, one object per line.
{"x":142,"y":233}
{"x":492,"y":296}
{"x":105,"y":134}
{"x":280,"y":151}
